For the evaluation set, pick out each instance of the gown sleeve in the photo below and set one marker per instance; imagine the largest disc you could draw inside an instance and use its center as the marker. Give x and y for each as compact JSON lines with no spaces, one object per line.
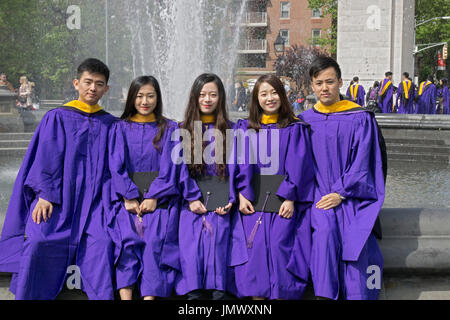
{"x":174,"y":178}
{"x":361,"y":177}
{"x":121,"y":184}
{"x":299,"y":166}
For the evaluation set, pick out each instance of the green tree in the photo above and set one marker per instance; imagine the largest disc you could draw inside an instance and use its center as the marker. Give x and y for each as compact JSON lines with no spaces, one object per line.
{"x":432,"y":32}
{"x":329,"y":7}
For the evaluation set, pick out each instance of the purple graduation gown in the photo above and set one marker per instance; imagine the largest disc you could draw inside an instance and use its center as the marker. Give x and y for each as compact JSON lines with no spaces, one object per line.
{"x":403,"y":105}
{"x":152,"y":260}
{"x":360,"y":95}
{"x":277,"y":266}
{"x":445,"y":95}
{"x":386,"y":100}
{"x":208,"y":243}
{"x":347,"y":161}
{"x":66,"y":164}
{"x":426,"y":102}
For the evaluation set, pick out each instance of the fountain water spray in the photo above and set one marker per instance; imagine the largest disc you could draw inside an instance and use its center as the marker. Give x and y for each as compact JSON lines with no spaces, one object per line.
{"x":177,"y":40}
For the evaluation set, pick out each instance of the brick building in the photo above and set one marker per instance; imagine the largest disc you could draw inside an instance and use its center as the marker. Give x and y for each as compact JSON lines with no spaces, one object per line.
{"x":264,"y":20}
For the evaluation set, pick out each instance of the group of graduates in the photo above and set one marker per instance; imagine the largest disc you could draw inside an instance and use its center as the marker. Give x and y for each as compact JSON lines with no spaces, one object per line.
{"x":108,"y":196}
{"x":410,"y":99}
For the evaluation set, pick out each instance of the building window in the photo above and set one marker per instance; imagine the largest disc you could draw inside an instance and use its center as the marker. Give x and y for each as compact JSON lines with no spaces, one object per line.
{"x":317,"y":13}
{"x":285,"y":35}
{"x":315,"y":35}
{"x":285,"y":10}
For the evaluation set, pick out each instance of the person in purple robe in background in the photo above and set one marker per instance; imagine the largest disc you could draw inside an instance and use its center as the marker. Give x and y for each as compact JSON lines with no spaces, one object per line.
{"x":56,"y":224}
{"x":278,"y":243}
{"x":444,"y":96}
{"x":405,"y":94}
{"x":141,"y":143}
{"x":346,"y":261}
{"x":209,"y":241}
{"x":356,"y":92}
{"x":386,"y":93}
{"x":426,"y":97}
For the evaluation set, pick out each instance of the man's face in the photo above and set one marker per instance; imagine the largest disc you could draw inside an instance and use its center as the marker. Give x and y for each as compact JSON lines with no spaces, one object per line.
{"x":3,"y":77}
{"x":91,"y":87}
{"x":326,"y":86}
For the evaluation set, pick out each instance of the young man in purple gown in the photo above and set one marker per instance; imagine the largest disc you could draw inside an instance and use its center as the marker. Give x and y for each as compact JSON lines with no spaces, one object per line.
{"x":426,"y":97}
{"x":386,"y":93}
{"x":55,"y":226}
{"x":346,"y":262}
{"x":405,"y":95}
{"x":356,"y":92}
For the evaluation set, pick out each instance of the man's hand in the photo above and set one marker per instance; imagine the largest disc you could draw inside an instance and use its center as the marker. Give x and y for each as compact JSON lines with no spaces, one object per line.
{"x":132,"y":206}
{"x":287,"y":209}
{"x":148,"y":205}
{"x":42,"y":210}
{"x":197,"y":207}
{"x":224,"y":210}
{"x":329,"y":201}
{"x":245,"y":206}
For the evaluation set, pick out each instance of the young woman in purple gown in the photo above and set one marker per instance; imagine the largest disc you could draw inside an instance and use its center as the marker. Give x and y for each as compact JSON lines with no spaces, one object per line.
{"x":140,"y":144}
{"x":278,"y":243}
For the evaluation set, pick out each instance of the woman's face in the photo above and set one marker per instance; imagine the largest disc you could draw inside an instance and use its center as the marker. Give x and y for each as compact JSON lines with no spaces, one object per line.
{"x":208,"y":98}
{"x":268,"y":99}
{"x":146,"y":100}
{"x":22,"y":80}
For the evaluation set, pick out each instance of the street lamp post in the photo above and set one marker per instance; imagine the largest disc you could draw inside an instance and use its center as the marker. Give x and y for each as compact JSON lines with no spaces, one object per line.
{"x":279,"y":49}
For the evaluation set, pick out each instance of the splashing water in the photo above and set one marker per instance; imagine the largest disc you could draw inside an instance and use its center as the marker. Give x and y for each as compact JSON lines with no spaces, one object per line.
{"x":177,"y":40}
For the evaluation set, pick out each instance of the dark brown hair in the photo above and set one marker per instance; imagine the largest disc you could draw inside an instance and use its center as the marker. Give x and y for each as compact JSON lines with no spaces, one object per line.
{"x":130,"y":108}
{"x":286,"y":115}
{"x":192,"y":114}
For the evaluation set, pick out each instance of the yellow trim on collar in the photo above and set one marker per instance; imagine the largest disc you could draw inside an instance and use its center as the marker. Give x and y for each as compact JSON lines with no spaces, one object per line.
{"x":386,"y":85}
{"x":83,"y":106}
{"x":423,"y":85}
{"x":354,"y":91}
{"x":141,"y":119}
{"x":208,"y":118}
{"x":406,"y":87}
{"x":340,"y":106}
{"x":269,"y":118}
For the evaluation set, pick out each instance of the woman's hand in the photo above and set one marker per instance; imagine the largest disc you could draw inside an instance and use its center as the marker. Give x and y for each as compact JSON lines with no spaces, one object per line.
{"x":329,"y":201}
{"x":224,"y":210}
{"x":245,"y":206}
{"x":132,"y":206}
{"x":197,"y":207}
{"x":287,"y":209}
{"x":148,"y":205}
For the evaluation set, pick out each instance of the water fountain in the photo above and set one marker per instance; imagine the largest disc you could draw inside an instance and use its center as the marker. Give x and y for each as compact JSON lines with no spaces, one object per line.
{"x":176,"y":41}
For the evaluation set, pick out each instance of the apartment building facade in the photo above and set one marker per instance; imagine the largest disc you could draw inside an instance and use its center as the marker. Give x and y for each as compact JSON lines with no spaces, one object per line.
{"x":264,"y":20}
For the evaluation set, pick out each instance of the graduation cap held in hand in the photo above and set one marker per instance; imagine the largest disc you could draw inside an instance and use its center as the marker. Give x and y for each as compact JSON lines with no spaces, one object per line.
{"x":265,"y":188}
{"x":215,"y":191}
{"x":143,"y":180}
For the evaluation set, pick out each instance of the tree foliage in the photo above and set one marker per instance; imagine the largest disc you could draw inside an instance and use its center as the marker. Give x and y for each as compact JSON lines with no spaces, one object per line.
{"x":295,"y":63}
{"x":431,"y":32}
{"x":329,"y":7}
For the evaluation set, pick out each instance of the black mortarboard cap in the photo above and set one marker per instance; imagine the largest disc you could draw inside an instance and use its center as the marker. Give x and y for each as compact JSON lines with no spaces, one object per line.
{"x":143,"y":180}
{"x":265,"y":188}
{"x":215,"y":191}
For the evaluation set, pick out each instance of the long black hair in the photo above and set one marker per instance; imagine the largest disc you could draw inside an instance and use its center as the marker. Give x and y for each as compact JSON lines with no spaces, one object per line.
{"x":193,"y":114}
{"x":286,"y":115}
{"x":130,"y":108}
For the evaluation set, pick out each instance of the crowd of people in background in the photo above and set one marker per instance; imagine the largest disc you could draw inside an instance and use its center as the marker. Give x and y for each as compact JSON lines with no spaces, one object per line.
{"x":406,"y":98}
{"x":27,"y":98}
{"x":382,"y":97}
